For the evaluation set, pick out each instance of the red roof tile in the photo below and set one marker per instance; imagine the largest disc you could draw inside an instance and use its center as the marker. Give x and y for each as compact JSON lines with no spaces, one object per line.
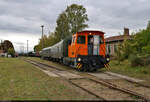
{"x":117,"y":38}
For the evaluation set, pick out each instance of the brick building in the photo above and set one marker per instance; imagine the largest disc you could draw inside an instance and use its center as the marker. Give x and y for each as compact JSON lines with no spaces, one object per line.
{"x":112,"y":42}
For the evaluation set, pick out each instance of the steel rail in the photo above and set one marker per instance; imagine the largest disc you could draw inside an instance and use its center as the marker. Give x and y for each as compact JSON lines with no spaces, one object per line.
{"x":68,"y":80}
{"x":88,"y":91}
{"x":147,"y":86}
{"x":100,"y":81}
{"x":46,"y":65}
{"x":111,"y":85}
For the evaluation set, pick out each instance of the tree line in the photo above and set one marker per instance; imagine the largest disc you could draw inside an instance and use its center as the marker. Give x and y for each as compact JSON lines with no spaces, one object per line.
{"x":70,"y":21}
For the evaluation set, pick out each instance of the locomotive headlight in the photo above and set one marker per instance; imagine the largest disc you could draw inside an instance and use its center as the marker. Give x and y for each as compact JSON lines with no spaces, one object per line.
{"x":79,"y":59}
{"x":107,"y":59}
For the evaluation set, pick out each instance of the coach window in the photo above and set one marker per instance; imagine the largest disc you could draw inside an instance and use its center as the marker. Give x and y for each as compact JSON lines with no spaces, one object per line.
{"x":58,"y":48}
{"x":81,"y":39}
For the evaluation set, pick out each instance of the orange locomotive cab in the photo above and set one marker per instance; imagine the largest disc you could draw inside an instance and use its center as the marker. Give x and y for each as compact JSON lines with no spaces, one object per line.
{"x":87,"y":50}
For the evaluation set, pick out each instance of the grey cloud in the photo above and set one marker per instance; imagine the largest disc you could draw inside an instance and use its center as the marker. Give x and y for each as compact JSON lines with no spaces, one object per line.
{"x":26,"y":16}
{"x":119,"y":13}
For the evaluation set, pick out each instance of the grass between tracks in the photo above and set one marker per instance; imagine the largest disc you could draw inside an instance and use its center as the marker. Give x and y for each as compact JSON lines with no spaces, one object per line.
{"x":50,"y":63}
{"x":141,"y":72}
{"x":20,"y":80}
{"x":122,"y":68}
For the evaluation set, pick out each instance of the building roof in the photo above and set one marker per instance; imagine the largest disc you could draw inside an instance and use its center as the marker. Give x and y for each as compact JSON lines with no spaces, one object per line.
{"x":126,"y":35}
{"x":117,"y":38}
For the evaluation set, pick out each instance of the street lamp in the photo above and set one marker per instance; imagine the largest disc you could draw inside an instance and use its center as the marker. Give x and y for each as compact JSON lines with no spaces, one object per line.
{"x":42,"y":26}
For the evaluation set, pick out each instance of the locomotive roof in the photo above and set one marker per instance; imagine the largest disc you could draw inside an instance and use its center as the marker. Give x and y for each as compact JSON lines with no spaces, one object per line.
{"x":91,"y":31}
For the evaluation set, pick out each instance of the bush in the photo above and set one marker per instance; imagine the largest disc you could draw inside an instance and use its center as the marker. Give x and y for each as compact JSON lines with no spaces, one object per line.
{"x":11,"y":51}
{"x":147,"y":61}
{"x":124,"y":50}
{"x":135,"y":60}
{"x":119,"y":55}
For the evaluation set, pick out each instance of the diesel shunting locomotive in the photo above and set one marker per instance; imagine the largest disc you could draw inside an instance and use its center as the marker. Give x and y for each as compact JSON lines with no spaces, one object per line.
{"x":84,"y":51}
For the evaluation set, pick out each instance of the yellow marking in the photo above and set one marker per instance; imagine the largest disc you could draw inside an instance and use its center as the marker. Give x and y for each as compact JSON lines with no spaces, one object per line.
{"x":107,"y":66}
{"x":78,"y":65}
{"x":81,"y":65}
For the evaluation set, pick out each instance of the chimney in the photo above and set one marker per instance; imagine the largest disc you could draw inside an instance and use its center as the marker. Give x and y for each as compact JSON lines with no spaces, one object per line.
{"x":126,"y":31}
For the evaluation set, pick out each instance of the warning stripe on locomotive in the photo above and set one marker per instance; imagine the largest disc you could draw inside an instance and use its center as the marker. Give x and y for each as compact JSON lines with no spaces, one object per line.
{"x":79,"y":65}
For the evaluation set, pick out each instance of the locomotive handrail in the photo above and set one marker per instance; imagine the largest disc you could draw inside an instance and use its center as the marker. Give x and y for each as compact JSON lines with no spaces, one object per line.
{"x":103,"y":50}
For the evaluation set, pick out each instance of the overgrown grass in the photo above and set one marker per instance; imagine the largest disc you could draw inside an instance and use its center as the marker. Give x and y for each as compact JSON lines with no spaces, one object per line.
{"x":20,"y":80}
{"x":142,"y":72}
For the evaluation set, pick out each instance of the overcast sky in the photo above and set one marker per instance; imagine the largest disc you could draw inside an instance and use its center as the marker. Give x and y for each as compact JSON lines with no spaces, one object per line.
{"x":20,"y":20}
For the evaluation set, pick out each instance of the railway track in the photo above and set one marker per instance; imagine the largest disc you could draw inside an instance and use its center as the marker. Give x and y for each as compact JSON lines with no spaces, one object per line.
{"x":127,"y":79}
{"x":118,"y":87}
{"x":40,"y":65}
{"x":105,"y":85}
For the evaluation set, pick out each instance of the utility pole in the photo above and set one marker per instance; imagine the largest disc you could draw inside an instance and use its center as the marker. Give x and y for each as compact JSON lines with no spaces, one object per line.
{"x":42,"y":26}
{"x":27,"y":47}
{"x":23,"y":49}
{"x":1,"y":46}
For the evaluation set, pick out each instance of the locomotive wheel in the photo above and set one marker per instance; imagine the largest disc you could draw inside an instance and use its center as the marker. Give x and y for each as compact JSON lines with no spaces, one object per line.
{"x":86,"y":68}
{"x":95,"y":70}
{"x":91,"y":69}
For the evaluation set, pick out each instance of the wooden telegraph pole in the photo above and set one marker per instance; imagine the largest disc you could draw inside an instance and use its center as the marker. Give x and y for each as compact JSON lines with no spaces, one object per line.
{"x":27,"y":47}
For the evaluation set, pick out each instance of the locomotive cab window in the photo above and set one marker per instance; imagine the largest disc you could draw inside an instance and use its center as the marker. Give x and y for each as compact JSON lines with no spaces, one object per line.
{"x":81,"y":39}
